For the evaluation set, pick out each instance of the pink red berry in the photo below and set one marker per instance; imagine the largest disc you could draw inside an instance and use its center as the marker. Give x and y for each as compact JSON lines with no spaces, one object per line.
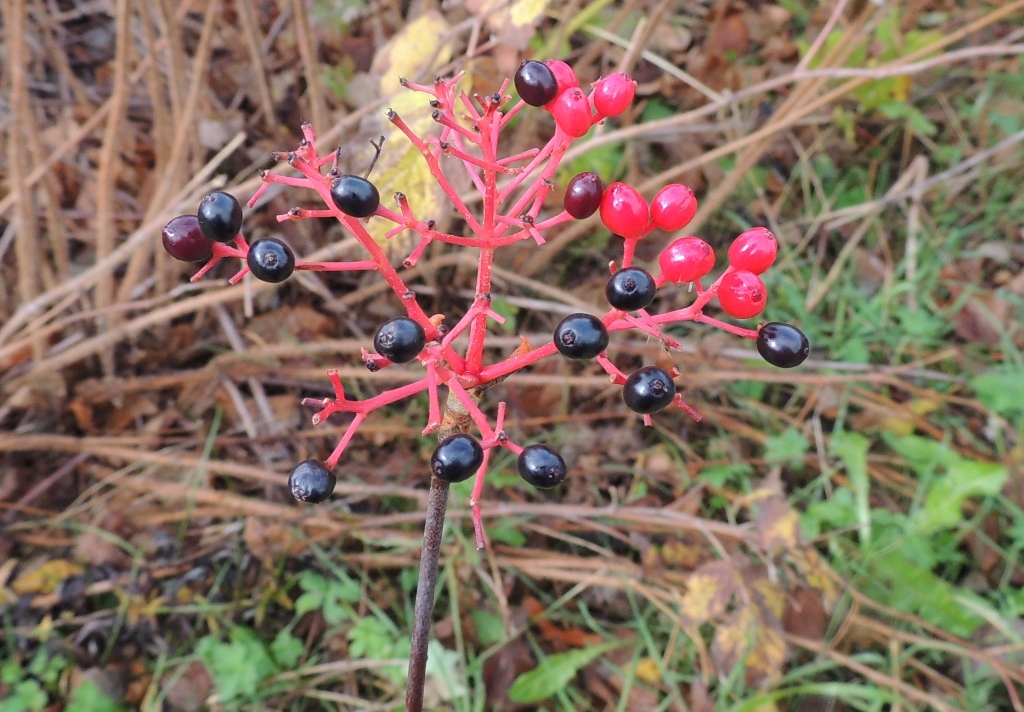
{"x":742,"y":294}
{"x":564,"y":75}
{"x":673,"y":207}
{"x":613,"y":94}
{"x":687,"y":260}
{"x":754,"y":250}
{"x":624,"y":211}
{"x":572,"y":112}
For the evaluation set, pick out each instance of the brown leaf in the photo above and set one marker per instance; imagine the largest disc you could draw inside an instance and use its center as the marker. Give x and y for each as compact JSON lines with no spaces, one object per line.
{"x":708,"y":592}
{"x":501,"y":669}
{"x":805,"y":614}
{"x":730,"y":34}
{"x":816,"y":573}
{"x":188,"y":692}
{"x":270,"y":541}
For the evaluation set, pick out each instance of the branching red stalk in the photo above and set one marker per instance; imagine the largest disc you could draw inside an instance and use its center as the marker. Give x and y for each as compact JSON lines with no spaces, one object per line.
{"x":472,"y":139}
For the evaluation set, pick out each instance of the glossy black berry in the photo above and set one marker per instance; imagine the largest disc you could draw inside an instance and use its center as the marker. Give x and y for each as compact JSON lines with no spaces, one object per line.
{"x":583,"y":195}
{"x":220,"y":216}
{"x":311,"y":482}
{"x":399,"y":340}
{"x":184,"y":241}
{"x":648,"y":390}
{"x":630,"y":289}
{"x":536,"y":83}
{"x":541,"y":466}
{"x":355,"y":196}
{"x":580,"y":336}
{"x":782,"y":344}
{"x":270,"y":260}
{"x":457,"y":458}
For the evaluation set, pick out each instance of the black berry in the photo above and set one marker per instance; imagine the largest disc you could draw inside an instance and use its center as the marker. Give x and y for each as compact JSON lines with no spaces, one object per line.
{"x":311,"y":482}
{"x":541,"y":466}
{"x":536,"y":83}
{"x":583,"y":195}
{"x":648,"y":390}
{"x":270,"y":260}
{"x":457,"y":458}
{"x":184,"y":241}
{"x":782,"y":344}
{"x":355,"y":196}
{"x":399,"y":340}
{"x":220,"y":216}
{"x":630,"y":289}
{"x":580,"y":336}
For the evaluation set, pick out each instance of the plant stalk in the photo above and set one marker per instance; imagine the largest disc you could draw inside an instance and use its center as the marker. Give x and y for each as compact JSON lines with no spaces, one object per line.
{"x":437,"y":505}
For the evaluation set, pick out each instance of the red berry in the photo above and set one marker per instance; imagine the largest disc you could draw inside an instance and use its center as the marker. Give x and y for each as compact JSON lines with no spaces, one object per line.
{"x":742,"y":294}
{"x":184,"y":240}
{"x":613,"y":94}
{"x":673,"y":207}
{"x":686,"y":260}
{"x":583,"y":195}
{"x":754,"y":250}
{"x":563,"y":74}
{"x":624,"y":211}
{"x":572,"y":112}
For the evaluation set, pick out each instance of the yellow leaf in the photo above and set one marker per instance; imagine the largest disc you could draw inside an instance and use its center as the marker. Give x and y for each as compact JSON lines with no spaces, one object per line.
{"x":45,"y":578}
{"x":416,"y":50}
{"x":648,"y":671}
{"x":708,"y":591}
{"x":816,"y":574}
{"x":416,"y":47}
{"x":513,"y":23}
{"x":744,"y":638}
{"x":772,"y":597}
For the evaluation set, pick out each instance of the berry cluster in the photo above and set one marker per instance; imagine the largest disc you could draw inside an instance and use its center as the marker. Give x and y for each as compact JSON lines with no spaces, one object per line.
{"x":514,"y":189}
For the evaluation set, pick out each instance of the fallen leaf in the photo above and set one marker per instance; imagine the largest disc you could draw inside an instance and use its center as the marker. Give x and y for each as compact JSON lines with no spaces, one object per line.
{"x":46,"y":578}
{"x":746,"y":639}
{"x":778,"y":526}
{"x":513,"y":23}
{"x":708,"y":592}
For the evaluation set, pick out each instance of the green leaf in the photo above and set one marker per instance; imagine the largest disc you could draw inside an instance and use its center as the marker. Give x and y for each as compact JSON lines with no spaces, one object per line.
{"x":718,"y":475}
{"x":944,"y":501}
{"x":286,"y":649}
{"x":554,"y":673}
{"x":852,"y":449}
{"x":787,"y":448}
{"x":490,"y":629}
{"x":237,"y":667}
{"x":1001,"y":391}
{"x":87,"y":697}
{"x":327,"y":595}
{"x":922,"y":454}
{"x":26,"y":696}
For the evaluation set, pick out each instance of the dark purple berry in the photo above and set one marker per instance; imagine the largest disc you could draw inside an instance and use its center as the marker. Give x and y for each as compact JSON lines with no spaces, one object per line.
{"x":583,"y":195}
{"x":355,"y":196}
{"x":311,"y":482}
{"x":185,"y":241}
{"x":541,"y":466}
{"x":782,"y":344}
{"x":630,"y":289}
{"x":457,"y":458}
{"x":220,"y":216}
{"x":400,"y":340}
{"x":536,"y":83}
{"x":648,"y":390}
{"x":580,"y":336}
{"x":270,"y":260}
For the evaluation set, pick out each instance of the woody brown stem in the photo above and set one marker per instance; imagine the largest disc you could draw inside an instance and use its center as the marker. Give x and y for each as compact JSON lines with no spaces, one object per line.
{"x":456,"y":420}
